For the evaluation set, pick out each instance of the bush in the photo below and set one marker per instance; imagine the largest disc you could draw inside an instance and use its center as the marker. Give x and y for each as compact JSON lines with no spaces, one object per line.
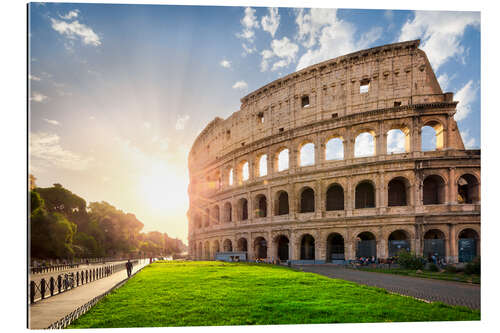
{"x":433,"y":267}
{"x":450,"y":269}
{"x":473,"y":267}
{"x":410,"y":260}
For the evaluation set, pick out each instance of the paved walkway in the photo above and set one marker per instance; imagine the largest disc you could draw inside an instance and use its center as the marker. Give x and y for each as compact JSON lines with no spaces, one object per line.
{"x":449,"y":292}
{"x":49,"y":310}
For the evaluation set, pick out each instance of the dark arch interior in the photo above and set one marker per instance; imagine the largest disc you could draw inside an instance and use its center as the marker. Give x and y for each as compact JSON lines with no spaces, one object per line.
{"x":434,"y":190}
{"x":335,"y":247}
{"x":366,"y":245}
{"x":229,"y":212}
{"x":282,"y":206}
{"x":365,"y":195}
{"x":307,"y":200}
{"x":398,"y":241}
{"x":468,"y":189}
{"x":243,"y":209}
{"x":307,"y":248}
{"x":283,"y":248}
{"x":260,"y":248}
{"x":261,"y":206}
{"x":242,"y":245}
{"x":228,"y":245}
{"x":397,"y":192}
{"x":434,"y":244}
{"x":335,"y":198}
{"x":468,"y":245}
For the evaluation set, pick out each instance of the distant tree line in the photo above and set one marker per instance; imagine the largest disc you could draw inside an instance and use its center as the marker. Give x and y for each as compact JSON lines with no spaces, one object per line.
{"x":62,"y":226}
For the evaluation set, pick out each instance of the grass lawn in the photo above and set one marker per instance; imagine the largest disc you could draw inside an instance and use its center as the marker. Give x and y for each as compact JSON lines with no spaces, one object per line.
{"x":215,"y":293}
{"x":460,"y":277}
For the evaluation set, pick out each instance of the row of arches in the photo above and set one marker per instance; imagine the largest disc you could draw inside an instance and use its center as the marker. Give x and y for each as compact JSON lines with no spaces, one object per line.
{"x":398,"y":141}
{"x":365,"y":246}
{"x":398,"y":194}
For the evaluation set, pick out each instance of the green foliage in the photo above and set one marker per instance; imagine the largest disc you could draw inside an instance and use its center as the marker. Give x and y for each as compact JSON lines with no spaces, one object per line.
{"x":450,"y":269}
{"x":473,"y":267}
{"x":410,"y":260}
{"x":36,"y":201}
{"x":216,"y":294}
{"x":433,"y":267}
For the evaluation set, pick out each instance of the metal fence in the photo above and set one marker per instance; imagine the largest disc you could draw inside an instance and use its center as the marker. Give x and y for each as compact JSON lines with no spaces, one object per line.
{"x":53,"y":268}
{"x":54,"y":265}
{"x":57,"y":284}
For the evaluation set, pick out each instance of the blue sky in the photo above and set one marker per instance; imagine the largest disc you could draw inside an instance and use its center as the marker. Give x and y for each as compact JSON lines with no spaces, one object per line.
{"x":119,"y":92}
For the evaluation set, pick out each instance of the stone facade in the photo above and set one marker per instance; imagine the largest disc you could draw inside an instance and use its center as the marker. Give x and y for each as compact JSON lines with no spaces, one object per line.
{"x":409,"y":199}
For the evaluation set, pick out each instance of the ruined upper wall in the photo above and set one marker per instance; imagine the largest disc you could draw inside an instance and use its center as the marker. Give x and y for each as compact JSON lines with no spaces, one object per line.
{"x":396,"y":74}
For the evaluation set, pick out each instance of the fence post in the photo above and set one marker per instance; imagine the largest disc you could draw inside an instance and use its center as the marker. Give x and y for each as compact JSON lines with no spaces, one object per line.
{"x":59,"y":282}
{"x":42,"y":288}
{"x":51,"y":286}
{"x":83,"y":276}
{"x":77,"y":279}
{"x":32,"y":292}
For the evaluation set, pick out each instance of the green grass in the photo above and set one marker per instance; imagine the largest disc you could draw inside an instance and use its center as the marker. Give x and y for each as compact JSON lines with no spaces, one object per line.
{"x":215,"y":293}
{"x":460,"y":277}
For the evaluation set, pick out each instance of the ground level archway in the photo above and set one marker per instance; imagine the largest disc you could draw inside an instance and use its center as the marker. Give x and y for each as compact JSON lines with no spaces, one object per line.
{"x":260,"y":248}
{"x":283,"y":248}
{"x":398,"y":241}
{"x":468,"y":245}
{"x":434,"y":244}
{"x":366,"y":245}
{"x":335,"y":247}
{"x":307,"y":247}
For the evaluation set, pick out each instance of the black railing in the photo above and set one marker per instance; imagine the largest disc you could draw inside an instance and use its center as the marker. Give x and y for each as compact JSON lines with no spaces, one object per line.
{"x":54,"y":265}
{"x":54,"y":285}
{"x":53,"y":268}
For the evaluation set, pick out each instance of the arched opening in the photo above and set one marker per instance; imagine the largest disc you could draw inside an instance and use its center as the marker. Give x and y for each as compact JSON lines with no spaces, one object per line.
{"x":216,"y":214}
{"x":335,"y":247}
{"x":364,"y":144}
{"x":306,"y":154}
{"x":282,"y":203}
{"x":366,"y":245}
{"x":283,"y":248}
{"x":434,"y":244}
{"x":396,"y":192}
{"x":432,"y":136}
{"x":398,"y":241}
{"x":468,"y":189}
{"x":304,"y":101}
{"x":228,"y":212}
{"x":261,"y":203}
{"x":207,"y":217}
{"x":307,"y":200}
{"x":334,"y":149}
{"x":335,"y":198}
{"x":215,"y":249}
{"x":260,"y":248}
{"x":365,"y":195}
{"x":398,"y":141}
{"x":243,"y":209}
{"x":434,"y":190}
{"x":230,"y":177}
{"x":262,"y":165}
{"x":227,"y":245}
{"x":242,"y":245}
{"x":307,"y":247}
{"x":282,"y":160}
{"x":468,"y":245}
{"x":243,"y":171}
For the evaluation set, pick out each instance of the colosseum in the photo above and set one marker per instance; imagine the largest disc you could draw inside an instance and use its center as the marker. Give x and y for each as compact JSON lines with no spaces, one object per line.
{"x":285,"y":177}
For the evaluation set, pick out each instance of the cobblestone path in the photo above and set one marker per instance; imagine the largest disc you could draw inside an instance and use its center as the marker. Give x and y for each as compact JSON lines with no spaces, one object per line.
{"x":449,"y":292}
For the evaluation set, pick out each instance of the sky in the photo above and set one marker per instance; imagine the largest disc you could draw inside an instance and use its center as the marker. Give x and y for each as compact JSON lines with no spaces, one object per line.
{"x":118,"y":93}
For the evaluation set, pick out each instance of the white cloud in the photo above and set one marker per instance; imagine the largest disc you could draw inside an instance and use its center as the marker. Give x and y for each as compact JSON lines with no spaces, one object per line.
{"x":334,"y":37}
{"x":465,"y":97}
{"x":284,"y":49}
{"x":469,"y":141}
{"x":248,"y":49}
{"x":46,"y":152}
{"x":249,"y":23}
{"x":38,"y":97}
{"x":364,"y":145}
{"x":271,"y":22}
{"x":225,"y":63}
{"x":181,"y":122}
{"x":76,"y":29}
{"x":240,"y":85}
{"x":440,"y":33}
{"x":395,"y":141}
{"x":70,"y":15}
{"x":53,"y":122}
{"x":34,"y":78}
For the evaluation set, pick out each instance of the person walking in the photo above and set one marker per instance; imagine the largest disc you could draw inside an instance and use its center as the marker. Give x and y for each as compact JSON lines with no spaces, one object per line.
{"x":129,"y":267}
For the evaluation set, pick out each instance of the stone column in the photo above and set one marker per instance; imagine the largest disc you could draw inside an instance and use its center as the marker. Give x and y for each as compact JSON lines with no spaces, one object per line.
{"x":294,"y":247}
{"x":453,"y":244}
{"x":452,"y":188}
{"x":416,"y":133}
{"x":250,"y":248}
{"x":349,"y":197}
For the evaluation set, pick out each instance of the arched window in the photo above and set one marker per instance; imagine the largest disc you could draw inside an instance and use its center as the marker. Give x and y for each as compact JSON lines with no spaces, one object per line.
{"x":283,"y":160}
{"x":261,"y":209}
{"x":306,"y":154}
{"x":468,"y":189}
{"x":282,"y":203}
{"x":262,"y":165}
{"x":227,"y":245}
{"x":244,"y":171}
{"x":307,"y":200}
{"x":307,"y":248}
{"x":364,"y":145}
{"x":432,"y":136}
{"x":365,"y":195}
{"x":243,"y":207}
{"x":335,"y":198}
{"x":334,"y":149}
{"x":434,"y":190}
{"x":396,"y":192}
{"x":230,"y":177}
{"x":397,"y":141}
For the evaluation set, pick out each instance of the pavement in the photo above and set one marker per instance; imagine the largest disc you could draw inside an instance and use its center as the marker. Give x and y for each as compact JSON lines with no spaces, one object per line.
{"x":430,"y":290}
{"x":45,"y":312}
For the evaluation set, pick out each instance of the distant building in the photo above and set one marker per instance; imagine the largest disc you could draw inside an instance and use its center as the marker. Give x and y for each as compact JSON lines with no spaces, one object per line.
{"x":32,"y":180}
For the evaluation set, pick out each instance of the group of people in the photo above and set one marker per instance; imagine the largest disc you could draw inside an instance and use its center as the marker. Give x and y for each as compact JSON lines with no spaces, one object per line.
{"x":364,"y":261}
{"x":436,"y":260}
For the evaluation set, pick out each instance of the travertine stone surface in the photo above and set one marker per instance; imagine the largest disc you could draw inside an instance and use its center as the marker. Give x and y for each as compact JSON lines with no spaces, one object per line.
{"x":402,"y":93}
